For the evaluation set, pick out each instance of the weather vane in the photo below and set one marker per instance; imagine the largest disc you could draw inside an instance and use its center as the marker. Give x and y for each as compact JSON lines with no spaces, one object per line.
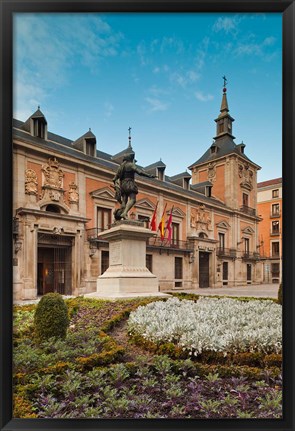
{"x":224,"y":81}
{"x":129,"y":130}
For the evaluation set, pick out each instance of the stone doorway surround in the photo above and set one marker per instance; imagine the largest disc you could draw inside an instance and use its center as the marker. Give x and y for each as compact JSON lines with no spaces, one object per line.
{"x":32,"y":223}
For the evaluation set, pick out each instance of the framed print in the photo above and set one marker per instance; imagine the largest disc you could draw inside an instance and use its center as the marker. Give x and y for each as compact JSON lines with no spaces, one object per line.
{"x":147,"y":207}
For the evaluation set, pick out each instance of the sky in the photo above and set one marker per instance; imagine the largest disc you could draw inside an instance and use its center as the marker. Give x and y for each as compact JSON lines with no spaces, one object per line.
{"x":158,"y":73}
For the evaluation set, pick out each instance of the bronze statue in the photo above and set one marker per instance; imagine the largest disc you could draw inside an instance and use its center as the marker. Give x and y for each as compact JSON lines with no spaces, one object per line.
{"x":125,"y":186}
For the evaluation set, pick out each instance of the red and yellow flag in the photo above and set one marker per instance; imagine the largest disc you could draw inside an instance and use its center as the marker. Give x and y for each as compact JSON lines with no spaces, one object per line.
{"x":153,"y":224}
{"x":161,"y":226}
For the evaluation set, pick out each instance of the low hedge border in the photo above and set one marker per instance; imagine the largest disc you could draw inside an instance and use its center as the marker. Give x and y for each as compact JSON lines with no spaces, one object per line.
{"x":256,"y":359}
{"x":194,"y":297}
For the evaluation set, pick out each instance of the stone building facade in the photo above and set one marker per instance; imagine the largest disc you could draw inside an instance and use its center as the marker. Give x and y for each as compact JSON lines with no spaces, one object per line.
{"x":63,"y":197}
{"x":269,"y":208}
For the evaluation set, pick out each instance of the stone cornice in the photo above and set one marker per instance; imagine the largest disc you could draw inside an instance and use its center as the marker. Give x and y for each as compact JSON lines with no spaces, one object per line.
{"x":40,"y":213}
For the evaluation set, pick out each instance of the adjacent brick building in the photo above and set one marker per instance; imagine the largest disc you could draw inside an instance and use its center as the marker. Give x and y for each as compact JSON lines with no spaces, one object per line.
{"x":269,"y":207}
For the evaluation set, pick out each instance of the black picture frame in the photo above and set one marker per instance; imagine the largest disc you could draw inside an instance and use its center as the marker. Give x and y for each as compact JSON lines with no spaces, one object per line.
{"x":7,"y":8}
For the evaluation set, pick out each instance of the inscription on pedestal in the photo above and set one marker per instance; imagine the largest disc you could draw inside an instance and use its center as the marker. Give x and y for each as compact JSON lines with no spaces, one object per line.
{"x":115,"y":253}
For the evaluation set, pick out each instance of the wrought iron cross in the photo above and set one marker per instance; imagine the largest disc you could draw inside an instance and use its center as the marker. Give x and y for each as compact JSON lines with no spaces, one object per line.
{"x":224,"y":81}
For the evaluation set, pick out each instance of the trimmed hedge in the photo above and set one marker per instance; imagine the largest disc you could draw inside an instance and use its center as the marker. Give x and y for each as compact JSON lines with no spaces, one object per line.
{"x":51,"y":317}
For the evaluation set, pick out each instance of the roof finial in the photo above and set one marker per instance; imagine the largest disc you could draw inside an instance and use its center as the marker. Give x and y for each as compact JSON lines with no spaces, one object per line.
{"x":129,"y":130}
{"x":38,"y":106}
{"x":224,"y":83}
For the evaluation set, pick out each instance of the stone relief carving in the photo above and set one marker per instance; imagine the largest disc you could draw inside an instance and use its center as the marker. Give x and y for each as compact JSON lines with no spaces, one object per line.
{"x":52,"y":182}
{"x":200,"y":218}
{"x":73,"y":193}
{"x":31,"y":182}
{"x":246,"y":175}
{"x":55,"y":195}
{"x":53,"y":174}
{"x":211,"y":172}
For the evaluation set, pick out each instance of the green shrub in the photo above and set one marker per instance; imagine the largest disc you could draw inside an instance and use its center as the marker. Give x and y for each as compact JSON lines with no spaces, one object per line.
{"x":51,"y":317}
{"x":280,"y":294}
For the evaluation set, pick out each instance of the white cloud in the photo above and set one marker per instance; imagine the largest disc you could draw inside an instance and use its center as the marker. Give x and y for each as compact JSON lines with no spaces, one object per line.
{"x":259,"y":49}
{"x":227,"y":24}
{"x":269,"y":41}
{"x":47,"y":49}
{"x":184,"y":78}
{"x":203,"y":97}
{"x":108,"y":109}
{"x":156,"y":104}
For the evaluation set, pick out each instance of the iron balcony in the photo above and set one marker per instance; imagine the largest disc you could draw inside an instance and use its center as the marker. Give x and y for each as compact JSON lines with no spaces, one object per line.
{"x":226,"y":252}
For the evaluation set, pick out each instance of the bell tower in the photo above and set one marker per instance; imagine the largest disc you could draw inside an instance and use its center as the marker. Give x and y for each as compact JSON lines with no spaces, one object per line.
{"x":232,"y":174}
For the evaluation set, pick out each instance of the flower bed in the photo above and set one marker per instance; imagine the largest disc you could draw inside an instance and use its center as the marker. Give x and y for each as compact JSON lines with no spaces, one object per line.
{"x":87,"y":376}
{"x":211,"y":325}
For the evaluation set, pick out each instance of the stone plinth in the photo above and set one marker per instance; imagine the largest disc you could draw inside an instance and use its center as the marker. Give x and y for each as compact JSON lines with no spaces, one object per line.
{"x":127,"y":272}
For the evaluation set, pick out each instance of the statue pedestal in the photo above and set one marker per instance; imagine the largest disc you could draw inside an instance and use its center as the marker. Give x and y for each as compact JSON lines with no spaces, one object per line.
{"x":127,"y":272}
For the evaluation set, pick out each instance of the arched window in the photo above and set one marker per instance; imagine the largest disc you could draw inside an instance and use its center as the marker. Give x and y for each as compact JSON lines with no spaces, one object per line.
{"x":53,"y":208}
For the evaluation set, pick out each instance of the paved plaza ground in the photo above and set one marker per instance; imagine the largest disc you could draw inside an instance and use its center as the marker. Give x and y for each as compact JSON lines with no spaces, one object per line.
{"x":256,"y":290}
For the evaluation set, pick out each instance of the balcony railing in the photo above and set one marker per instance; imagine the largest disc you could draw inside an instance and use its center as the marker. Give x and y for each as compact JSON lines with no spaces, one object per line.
{"x":248,"y":210}
{"x":250,"y":256}
{"x":154,"y":242}
{"x":273,"y":233}
{"x":226,"y":252}
{"x":167,"y":245}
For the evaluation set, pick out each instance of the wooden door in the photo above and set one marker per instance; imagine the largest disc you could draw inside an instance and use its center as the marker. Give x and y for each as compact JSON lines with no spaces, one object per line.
{"x":203,"y":269}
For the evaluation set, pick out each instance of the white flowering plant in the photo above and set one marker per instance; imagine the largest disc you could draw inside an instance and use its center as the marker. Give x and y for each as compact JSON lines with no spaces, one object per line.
{"x":211,"y":324}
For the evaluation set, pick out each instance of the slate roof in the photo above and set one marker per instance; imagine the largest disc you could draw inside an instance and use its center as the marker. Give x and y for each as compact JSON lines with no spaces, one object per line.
{"x":225,"y":146}
{"x":158,"y":164}
{"x":64,"y":145}
{"x":38,"y":114}
{"x":201,"y":185}
{"x":180,"y":176}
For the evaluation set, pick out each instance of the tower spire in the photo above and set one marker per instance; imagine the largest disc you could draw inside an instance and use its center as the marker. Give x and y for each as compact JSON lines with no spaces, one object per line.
{"x":224,"y":104}
{"x":224,"y":120}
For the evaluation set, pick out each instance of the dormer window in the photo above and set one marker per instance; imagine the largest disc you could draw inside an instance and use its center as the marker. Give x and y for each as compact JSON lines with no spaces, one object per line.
{"x":208,"y":191}
{"x":186,"y":183}
{"x":242,"y":146}
{"x":39,"y":128}
{"x":86,"y":144}
{"x":36,"y":125}
{"x":89,"y":148}
{"x":213,"y":149}
{"x":160,"y":174}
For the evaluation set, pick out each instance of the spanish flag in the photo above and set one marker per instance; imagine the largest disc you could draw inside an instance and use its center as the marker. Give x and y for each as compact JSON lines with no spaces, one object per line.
{"x":161,"y":226}
{"x":153,"y":224}
{"x":169,"y":226}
